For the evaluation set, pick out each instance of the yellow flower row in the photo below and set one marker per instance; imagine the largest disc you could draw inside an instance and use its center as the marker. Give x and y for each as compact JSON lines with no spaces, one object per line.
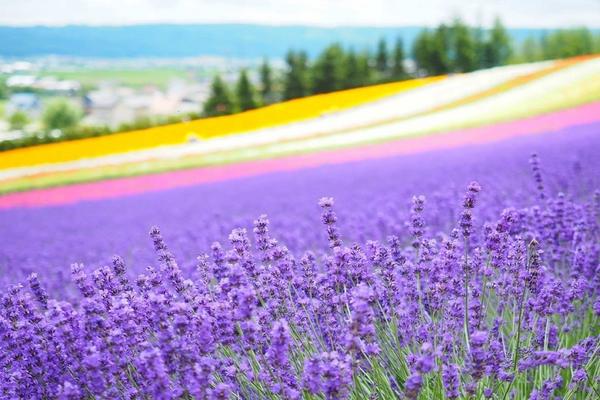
{"x":273,"y":115}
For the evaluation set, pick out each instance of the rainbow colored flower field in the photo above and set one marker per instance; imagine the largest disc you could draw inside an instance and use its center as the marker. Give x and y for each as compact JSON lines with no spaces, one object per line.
{"x":429,"y":239}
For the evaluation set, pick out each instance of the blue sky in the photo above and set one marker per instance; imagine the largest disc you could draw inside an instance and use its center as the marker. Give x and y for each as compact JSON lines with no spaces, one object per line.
{"x":515,"y":13}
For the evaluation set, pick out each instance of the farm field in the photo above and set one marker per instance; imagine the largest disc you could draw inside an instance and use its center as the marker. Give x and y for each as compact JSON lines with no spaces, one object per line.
{"x":428,"y":239}
{"x":129,"y":77}
{"x":228,"y":169}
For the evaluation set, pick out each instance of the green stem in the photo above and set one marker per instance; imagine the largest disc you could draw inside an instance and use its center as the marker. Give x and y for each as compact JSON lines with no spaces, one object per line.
{"x":466,"y":322}
{"x":519,"y":322}
{"x":518,"y":343}
{"x":484,"y":282}
{"x":547,"y":334}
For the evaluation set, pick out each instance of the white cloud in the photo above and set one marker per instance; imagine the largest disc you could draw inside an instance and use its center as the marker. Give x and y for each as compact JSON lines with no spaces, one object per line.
{"x":529,"y":13}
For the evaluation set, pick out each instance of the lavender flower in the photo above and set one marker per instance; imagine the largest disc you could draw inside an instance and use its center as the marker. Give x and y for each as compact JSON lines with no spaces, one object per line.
{"x":222,"y":391}
{"x":479,"y":355}
{"x":312,"y":375}
{"x":451,"y":380}
{"x":413,"y":385}
{"x":417,"y":223}
{"x":120,"y":272}
{"x":169,"y":265}
{"x":466,"y":219}
{"x":263,"y":240}
{"x":329,"y":219}
{"x":81,"y":280}
{"x":155,"y":379}
{"x":361,"y":338}
{"x":37,"y":290}
{"x":336,"y":375}
{"x":537,"y":174}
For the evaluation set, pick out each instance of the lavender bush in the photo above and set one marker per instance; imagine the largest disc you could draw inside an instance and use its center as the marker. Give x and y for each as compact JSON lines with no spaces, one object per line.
{"x":475,"y":290}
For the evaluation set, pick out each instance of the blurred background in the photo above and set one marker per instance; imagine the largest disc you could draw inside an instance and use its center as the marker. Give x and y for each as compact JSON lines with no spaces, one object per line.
{"x":92,"y":67}
{"x":198,"y":116}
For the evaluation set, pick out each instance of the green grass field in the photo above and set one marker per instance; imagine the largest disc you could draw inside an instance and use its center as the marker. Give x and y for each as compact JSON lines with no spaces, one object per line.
{"x":2,"y":107}
{"x":128,"y":77}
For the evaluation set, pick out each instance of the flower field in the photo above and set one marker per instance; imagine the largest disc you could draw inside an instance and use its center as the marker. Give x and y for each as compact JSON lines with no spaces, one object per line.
{"x":427,"y":244}
{"x":277,"y":114}
{"x":356,"y":117}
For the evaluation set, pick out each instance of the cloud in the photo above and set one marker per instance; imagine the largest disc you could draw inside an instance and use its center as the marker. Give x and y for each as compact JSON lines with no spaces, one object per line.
{"x":530,"y":13}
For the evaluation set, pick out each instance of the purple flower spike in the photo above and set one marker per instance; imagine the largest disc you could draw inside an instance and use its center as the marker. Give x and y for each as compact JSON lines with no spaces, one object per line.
{"x":329,"y":219}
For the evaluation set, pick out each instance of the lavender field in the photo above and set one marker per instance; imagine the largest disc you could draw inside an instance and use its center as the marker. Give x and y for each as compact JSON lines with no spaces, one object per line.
{"x":472,"y":273}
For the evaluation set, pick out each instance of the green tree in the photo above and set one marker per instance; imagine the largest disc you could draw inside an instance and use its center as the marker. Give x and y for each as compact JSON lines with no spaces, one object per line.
{"x":4,"y":93}
{"x":328,"y":70}
{"x":219,"y":101}
{"x":585,"y":40}
{"x":422,"y":49}
{"x":352,"y":75}
{"x":381,"y":58}
{"x":398,"y":70}
{"x":567,"y":43}
{"x":245,"y":92}
{"x":431,"y":51}
{"x":18,"y":120}
{"x":480,"y":46}
{"x":497,"y":48}
{"x":440,"y":51}
{"x":464,"y":48}
{"x":295,"y":82}
{"x":544,"y":47}
{"x":61,"y":114}
{"x":530,"y":50}
{"x":266,"y":83}
{"x":365,"y":68}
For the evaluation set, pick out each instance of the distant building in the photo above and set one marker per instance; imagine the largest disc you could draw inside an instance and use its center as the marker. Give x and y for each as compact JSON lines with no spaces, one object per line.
{"x":188,"y":105}
{"x":16,"y":81}
{"x":46,"y":84}
{"x":15,"y":67}
{"x":99,"y":107}
{"x":51,"y":84}
{"x":25,"y":102}
{"x":113,"y":106}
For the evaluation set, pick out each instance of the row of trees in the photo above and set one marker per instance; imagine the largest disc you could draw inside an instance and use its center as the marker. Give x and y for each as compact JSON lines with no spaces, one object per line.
{"x":334,"y":69}
{"x":449,"y":48}
{"x":559,"y":44}
{"x":459,"y":48}
{"x":222,"y":101}
{"x":60,"y":114}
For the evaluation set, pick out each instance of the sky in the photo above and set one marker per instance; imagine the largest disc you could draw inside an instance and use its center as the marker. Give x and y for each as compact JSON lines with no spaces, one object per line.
{"x":514,"y":13}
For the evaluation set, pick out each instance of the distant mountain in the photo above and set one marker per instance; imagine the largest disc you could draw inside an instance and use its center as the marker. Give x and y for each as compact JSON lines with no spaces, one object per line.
{"x":224,"y":40}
